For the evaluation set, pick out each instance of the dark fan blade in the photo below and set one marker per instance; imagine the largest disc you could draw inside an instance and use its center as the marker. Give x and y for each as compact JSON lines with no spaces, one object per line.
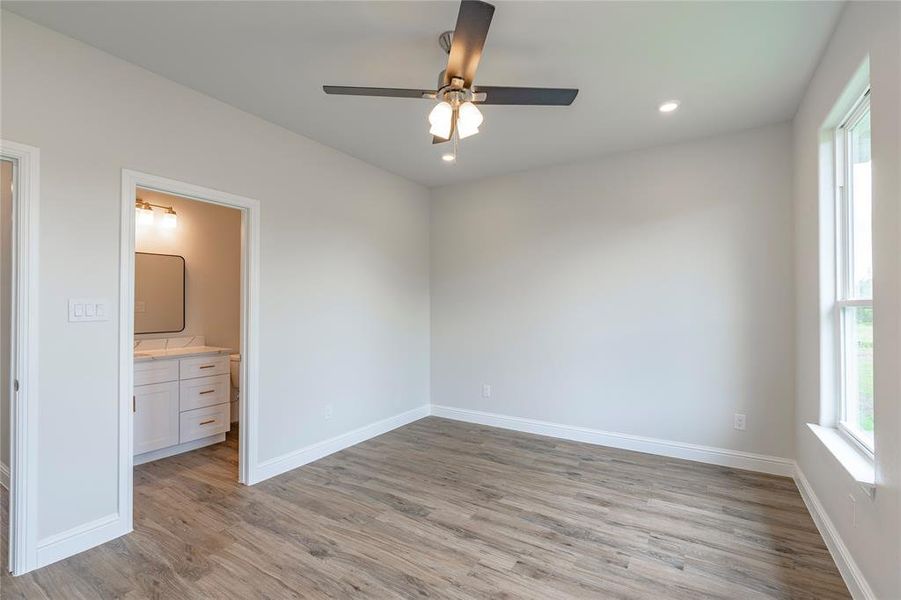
{"x":345,"y":90}
{"x":473,"y":21}
{"x":527,"y":96}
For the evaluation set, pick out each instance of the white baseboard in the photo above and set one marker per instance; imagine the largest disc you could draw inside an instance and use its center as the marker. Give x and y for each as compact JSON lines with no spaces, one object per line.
{"x":851,"y":573}
{"x":298,"y":458}
{"x":81,"y":538}
{"x":153,"y":455}
{"x":4,"y":476}
{"x":773,"y":465}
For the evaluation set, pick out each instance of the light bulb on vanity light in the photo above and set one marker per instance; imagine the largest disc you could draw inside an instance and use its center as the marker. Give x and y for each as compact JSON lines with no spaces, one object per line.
{"x":441,"y":119}
{"x":170,"y":219}
{"x":469,"y":118}
{"x":143,"y":213}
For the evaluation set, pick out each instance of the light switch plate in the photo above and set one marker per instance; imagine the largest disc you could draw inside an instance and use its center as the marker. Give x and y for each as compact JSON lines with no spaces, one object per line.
{"x":88,"y":309}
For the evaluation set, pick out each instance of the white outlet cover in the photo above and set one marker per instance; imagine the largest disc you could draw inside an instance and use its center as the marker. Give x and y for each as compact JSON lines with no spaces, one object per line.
{"x":740,"y":421}
{"x":486,"y":390}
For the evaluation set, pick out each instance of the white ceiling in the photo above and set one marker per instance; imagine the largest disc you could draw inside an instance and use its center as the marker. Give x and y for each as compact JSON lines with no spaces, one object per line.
{"x":733,"y":65}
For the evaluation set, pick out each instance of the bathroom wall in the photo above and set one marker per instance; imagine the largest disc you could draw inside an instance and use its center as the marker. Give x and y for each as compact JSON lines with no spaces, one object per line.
{"x":208,"y":236}
{"x":6,"y":197}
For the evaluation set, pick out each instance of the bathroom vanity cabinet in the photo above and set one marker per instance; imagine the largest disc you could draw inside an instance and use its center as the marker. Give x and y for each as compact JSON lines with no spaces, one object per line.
{"x":179,"y":404}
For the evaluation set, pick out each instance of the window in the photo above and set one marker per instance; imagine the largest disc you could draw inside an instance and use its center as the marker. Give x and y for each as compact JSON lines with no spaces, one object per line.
{"x":854,"y":276}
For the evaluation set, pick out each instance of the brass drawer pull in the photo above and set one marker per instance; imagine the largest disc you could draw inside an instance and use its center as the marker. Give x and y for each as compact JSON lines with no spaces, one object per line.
{"x":207,"y":391}
{"x":208,"y":422}
{"x":207,"y":366}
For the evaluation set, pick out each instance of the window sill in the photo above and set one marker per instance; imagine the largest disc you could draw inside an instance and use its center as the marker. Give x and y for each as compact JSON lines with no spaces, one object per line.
{"x":858,"y":465}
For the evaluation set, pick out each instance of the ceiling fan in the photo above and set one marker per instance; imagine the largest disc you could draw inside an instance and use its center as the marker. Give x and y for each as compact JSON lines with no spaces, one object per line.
{"x":456,"y":115}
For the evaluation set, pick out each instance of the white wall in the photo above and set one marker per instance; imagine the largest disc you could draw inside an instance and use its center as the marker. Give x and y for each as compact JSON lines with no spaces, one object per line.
{"x":865,"y":28}
{"x":208,"y":236}
{"x":344,"y":276}
{"x":648,"y":293}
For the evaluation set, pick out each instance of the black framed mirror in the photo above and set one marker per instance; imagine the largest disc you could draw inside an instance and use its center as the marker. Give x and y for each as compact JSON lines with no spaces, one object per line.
{"x":159,"y":293}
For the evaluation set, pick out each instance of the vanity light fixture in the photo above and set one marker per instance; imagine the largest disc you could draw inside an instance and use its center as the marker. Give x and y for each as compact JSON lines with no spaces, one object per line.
{"x":144,"y":214}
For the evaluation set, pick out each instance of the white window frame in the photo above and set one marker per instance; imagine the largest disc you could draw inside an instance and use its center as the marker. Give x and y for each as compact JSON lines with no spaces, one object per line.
{"x":843,"y":260}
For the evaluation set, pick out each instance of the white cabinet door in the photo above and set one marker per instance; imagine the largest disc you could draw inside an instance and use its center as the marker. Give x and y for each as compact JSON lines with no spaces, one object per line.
{"x":155,"y":416}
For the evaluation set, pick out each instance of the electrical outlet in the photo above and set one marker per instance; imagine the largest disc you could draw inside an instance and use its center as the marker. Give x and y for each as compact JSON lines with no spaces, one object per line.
{"x":740,"y":421}
{"x":486,"y":390}
{"x":328,"y":411}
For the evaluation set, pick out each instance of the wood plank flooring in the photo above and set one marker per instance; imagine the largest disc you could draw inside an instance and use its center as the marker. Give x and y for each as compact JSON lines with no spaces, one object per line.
{"x":442,"y":509}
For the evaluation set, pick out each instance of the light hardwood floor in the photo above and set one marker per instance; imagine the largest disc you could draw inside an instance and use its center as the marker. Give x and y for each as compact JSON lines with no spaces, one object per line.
{"x":442,"y":509}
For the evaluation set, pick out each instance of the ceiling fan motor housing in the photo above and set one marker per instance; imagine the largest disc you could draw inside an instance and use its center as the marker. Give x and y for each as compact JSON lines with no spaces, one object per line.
{"x":455,"y":93}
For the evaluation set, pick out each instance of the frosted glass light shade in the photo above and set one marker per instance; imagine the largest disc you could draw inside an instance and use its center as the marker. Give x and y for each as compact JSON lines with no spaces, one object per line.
{"x":440,"y":118}
{"x":468,"y":120}
{"x":143,"y":215}
{"x":169,"y":220}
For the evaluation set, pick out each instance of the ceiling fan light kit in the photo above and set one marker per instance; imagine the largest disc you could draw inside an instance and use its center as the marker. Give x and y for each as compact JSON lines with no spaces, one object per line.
{"x":468,"y":120}
{"x":441,"y":120}
{"x":456,"y":115}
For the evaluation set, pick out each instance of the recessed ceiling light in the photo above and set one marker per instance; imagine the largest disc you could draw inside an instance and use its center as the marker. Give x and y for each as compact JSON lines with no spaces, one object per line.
{"x":669,"y":106}
{"x":448,"y":157}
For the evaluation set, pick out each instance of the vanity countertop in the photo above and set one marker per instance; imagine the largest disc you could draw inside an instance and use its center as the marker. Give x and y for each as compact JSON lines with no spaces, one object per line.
{"x":183,"y":352}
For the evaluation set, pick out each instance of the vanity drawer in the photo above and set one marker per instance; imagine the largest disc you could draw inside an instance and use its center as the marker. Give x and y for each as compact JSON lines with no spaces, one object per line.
{"x":156,"y":371}
{"x":203,"y":422}
{"x":204,"y":391}
{"x":204,"y":366}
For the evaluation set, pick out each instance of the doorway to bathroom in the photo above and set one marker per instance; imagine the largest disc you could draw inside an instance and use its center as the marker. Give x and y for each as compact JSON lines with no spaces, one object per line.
{"x":187,"y":327}
{"x":188,"y":337}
